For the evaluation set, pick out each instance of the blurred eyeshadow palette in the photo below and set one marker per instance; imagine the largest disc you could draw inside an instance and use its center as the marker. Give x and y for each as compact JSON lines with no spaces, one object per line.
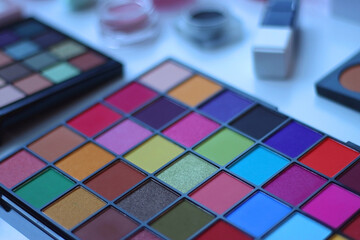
{"x":39,"y":66}
{"x":178,"y":155}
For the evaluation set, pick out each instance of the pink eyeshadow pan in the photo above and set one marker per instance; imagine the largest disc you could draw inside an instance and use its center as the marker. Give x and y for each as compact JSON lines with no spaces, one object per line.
{"x":4,"y":59}
{"x":32,"y":84}
{"x":295,"y":184}
{"x":123,"y":136}
{"x":144,"y":235}
{"x":333,"y":205}
{"x":131,"y":97}
{"x":87,"y":61}
{"x":18,"y":167}
{"x":191,"y":129}
{"x":221,"y":192}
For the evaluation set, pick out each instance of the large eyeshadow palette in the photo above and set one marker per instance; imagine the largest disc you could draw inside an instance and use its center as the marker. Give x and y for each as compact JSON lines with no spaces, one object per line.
{"x":40,"y":66}
{"x":175,"y":154}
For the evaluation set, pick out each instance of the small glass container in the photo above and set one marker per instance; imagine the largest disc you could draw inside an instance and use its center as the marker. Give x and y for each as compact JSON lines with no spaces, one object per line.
{"x":125,"y":22}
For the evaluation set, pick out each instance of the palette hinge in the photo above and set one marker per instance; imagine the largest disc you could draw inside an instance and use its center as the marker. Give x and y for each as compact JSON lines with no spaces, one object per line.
{"x":6,"y":206}
{"x":353,"y":145}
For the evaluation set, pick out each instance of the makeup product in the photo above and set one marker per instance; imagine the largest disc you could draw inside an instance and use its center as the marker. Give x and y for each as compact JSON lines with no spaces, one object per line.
{"x":9,"y":12}
{"x":171,"y":4}
{"x":346,"y":9}
{"x":178,"y":155}
{"x":343,"y":84}
{"x":274,"y":45}
{"x":209,"y":25}
{"x":40,"y":67}
{"x":125,"y":22}
{"x":80,"y":4}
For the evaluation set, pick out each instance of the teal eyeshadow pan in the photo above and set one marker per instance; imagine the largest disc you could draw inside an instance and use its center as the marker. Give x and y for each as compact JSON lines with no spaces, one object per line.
{"x":105,"y":156}
{"x":32,"y":52}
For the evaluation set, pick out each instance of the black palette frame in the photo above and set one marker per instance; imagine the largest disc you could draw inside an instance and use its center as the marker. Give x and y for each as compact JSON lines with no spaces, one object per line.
{"x":35,"y":103}
{"x":67,"y":234}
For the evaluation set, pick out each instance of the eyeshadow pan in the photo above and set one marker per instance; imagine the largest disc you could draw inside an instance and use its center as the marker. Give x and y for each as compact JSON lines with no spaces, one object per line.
{"x":123,"y":136}
{"x":56,"y":143}
{"x":182,"y":221}
{"x":61,"y":72}
{"x":87,"y":61}
{"x":44,"y":187}
{"x":84,"y":161}
{"x":191,"y":129}
{"x":150,"y":155}
{"x":293,"y":139}
{"x":226,"y":106}
{"x":352,"y":229}
{"x":351,"y":177}
{"x":32,"y":84}
{"x":115,"y":180}
{"x":14,"y":72}
{"x":144,"y":235}
{"x":258,"y":122}
{"x":29,"y":29}
{"x":109,"y":224}
{"x":333,"y":205}
{"x":47,"y":39}
{"x":94,"y":119}
{"x":7,"y":37}
{"x":70,"y":210}
{"x":259,"y":165}
{"x":195,"y":90}
{"x":18,"y":167}
{"x":300,"y":227}
{"x":295,"y":184}
{"x":165,"y":76}
{"x":67,"y":49}
{"x":223,"y":146}
{"x":4,"y":59}
{"x":40,"y":61}
{"x":9,"y":95}
{"x":159,"y":113}
{"x":221,"y":192}
{"x":22,"y":49}
{"x":222,"y":230}
{"x":148,"y":200}
{"x":187,"y":172}
{"x":338,"y":237}
{"x":258,"y":214}
{"x":329,"y":157}
{"x":131,"y":97}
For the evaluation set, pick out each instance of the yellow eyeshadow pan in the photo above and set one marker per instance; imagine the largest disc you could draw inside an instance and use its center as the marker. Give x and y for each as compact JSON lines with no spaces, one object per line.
{"x":177,"y":155}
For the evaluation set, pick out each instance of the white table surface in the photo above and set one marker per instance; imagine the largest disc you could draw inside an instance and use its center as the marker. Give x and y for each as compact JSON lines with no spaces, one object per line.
{"x":324,"y":43}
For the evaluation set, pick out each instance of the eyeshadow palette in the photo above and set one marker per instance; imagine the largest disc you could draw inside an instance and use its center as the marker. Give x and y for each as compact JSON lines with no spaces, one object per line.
{"x":177,"y":155}
{"x":40,"y":66}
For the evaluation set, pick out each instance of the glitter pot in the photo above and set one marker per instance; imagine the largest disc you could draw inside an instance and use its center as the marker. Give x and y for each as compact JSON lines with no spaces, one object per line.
{"x":125,"y":22}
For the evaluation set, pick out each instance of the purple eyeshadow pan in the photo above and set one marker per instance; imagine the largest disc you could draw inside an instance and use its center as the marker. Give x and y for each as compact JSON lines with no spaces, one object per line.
{"x":226,"y":106}
{"x":7,"y":37}
{"x":48,"y":39}
{"x":293,"y":139}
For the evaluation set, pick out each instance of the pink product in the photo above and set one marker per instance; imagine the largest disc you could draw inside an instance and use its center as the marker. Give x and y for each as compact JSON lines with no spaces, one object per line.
{"x":9,"y":12}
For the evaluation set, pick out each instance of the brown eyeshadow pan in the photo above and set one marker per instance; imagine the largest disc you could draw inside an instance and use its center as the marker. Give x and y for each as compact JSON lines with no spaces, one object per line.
{"x":109,"y":224}
{"x":32,"y":84}
{"x":87,"y":61}
{"x":56,"y":143}
{"x":350,"y":78}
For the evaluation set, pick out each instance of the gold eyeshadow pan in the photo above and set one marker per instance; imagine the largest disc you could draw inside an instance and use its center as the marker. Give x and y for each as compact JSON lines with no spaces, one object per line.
{"x":190,"y":159}
{"x":40,"y":65}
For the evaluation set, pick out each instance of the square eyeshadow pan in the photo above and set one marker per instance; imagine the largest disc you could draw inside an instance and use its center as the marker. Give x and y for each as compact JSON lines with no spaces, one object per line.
{"x":176,"y":178}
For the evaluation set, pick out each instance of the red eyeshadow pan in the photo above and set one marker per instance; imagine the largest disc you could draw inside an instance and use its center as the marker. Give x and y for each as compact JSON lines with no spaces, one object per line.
{"x":223,"y":230}
{"x":131,"y":97}
{"x":18,"y":167}
{"x":87,"y":61}
{"x":94,"y":120}
{"x":353,"y":228}
{"x":329,"y":157}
